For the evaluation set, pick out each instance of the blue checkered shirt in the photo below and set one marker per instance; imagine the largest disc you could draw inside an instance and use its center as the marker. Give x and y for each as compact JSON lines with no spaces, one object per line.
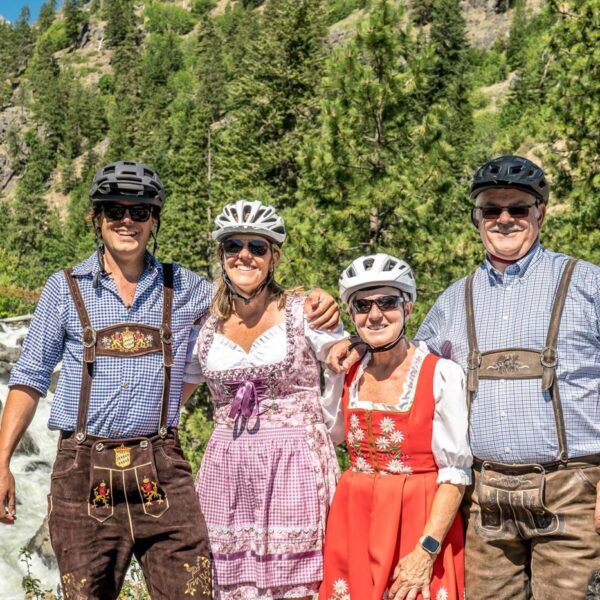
{"x":126,"y":392}
{"x":512,"y":421}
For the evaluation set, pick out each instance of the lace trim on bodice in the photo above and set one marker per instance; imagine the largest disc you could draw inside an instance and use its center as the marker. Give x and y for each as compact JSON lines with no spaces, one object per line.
{"x":407,"y":397}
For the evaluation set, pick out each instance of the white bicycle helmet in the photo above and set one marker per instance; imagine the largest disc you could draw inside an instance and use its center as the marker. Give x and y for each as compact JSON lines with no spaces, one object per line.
{"x":377,"y":270}
{"x":245,"y":216}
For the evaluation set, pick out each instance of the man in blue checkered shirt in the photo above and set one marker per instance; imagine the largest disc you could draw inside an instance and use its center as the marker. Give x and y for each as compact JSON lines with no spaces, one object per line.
{"x":120,"y":323}
{"x":533,"y":513}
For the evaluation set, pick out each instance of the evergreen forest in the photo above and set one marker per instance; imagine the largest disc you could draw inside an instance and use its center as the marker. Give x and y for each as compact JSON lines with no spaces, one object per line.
{"x":363,"y":120}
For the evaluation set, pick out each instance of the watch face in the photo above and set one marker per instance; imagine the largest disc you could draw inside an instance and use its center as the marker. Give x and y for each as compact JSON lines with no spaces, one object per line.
{"x":430,"y":544}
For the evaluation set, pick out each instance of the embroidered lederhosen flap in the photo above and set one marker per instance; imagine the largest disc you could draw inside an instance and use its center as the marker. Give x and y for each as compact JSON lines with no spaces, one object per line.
{"x":120,"y":463}
{"x":127,"y":340}
{"x":511,"y":363}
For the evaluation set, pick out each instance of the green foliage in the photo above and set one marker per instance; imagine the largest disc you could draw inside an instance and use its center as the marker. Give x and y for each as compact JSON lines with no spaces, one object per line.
{"x":73,"y":18}
{"x":47,"y":15}
{"x":340,"y":9}
{"x":165,"y":18}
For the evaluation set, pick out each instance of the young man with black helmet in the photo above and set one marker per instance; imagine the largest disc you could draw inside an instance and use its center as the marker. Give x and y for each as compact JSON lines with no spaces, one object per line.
{"x":526,"y":329}
{"x":120,"y":323}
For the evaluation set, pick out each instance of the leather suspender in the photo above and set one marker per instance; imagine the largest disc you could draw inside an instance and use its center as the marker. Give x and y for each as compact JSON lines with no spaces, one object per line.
{"x":89,"y":339}
{"x":548,"y":357}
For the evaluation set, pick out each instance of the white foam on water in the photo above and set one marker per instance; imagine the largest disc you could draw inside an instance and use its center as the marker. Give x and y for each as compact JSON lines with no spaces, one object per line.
{"x":32,"y":490}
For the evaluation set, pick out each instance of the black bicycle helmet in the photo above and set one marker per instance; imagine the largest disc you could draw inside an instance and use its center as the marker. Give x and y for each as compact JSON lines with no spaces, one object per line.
{"x":123,"y":180}
{"x":511,"y":172}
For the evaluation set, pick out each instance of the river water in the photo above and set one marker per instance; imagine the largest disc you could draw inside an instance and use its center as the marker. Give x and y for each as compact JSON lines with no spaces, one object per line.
{"x":32,"y":476}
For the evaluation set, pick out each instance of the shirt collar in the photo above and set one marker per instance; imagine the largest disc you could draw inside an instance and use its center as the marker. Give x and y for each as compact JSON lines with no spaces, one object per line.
{"x":521,"y":269}
{"x":91,"y":265}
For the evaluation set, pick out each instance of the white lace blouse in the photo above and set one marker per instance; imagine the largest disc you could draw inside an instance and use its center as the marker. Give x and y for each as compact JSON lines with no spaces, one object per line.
{"x":450,"y":442}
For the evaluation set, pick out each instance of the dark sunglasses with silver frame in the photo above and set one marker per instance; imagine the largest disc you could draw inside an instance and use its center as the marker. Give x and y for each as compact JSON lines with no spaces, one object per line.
{"x":384,"y":303}
{"x":493,"y":211}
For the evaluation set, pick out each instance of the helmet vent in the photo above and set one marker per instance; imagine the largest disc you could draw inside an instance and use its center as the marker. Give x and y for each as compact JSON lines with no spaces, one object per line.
{"x":351,"y":272}
{"x":514,"y":170}
{"x":495,"y":170}
{"x":389,"y":265}
{"x":368,"y":264}
{"x":110,"y":169}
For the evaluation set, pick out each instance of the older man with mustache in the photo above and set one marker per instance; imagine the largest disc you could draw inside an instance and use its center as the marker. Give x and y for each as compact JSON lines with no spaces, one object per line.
{"x":526,"y":326}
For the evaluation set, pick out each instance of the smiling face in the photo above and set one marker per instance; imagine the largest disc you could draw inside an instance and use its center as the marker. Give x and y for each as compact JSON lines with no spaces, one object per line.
{"x":245,"y":270}
{"x":125,"y":238}
{"x":507,"y":237}
{"x":378,"y":328}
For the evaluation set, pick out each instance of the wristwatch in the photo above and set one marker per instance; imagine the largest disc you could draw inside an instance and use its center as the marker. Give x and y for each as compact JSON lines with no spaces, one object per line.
{"x":430,"y":544}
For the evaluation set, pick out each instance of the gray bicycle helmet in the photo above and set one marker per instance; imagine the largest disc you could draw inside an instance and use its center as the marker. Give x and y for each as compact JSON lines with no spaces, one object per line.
{"x":511,"y":172}
{"x":123,"y":180}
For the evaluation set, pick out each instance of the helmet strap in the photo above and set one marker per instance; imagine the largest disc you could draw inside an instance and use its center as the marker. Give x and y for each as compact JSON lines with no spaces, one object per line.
{"x":257,"y":291}
{"x":387,"y":346}
{"x":99,"y":253}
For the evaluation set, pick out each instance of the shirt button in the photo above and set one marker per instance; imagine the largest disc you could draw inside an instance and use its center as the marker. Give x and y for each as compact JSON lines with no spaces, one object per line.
{"x":124,"y":385}
{"x":505,"y":317}
{"x":502,"y":413}
{"x":507,"y":450}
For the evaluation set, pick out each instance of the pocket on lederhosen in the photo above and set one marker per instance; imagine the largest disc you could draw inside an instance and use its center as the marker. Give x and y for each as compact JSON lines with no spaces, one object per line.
{"x":116,"y":466}
{"x":512,"y":503}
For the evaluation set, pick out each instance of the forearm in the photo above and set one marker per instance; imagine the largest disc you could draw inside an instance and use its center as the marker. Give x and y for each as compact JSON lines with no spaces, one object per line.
{"x":443,"y":511}
{"x":20,"y":408}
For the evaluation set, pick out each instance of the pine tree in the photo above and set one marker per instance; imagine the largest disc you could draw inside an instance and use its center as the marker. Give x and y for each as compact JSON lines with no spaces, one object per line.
{"x":47,"y":15}
{"x":73,"y":17}
{"x":272,"y":103}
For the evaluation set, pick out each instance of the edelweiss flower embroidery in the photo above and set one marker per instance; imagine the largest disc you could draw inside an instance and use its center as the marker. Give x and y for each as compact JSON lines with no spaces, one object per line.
{"x":340,"y":590}
{"x":387,"y":425}
{"x":389,"y":443}
{"x":353,"y":438}
{"x":442,"y":594}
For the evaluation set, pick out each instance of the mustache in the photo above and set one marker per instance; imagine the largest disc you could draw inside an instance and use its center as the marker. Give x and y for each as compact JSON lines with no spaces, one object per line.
{"x":509,"y":228}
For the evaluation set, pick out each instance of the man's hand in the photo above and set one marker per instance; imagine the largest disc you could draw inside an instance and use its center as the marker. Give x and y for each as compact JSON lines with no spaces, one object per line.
{"x":597,"y":511}
{"x":321,"y":310}
{"x":8,"y":505}
{"x":339,"y":359}
{"x":413,"y":575}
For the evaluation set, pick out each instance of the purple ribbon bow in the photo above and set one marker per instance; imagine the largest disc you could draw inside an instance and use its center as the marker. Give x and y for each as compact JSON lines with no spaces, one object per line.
{"x":247,"y":396}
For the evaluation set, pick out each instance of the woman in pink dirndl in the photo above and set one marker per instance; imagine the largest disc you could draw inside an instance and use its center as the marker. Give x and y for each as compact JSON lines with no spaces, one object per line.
{"x":269,"y":470}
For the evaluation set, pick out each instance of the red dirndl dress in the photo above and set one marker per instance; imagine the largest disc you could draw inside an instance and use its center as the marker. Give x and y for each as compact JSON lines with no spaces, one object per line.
{"x":383,"y":501}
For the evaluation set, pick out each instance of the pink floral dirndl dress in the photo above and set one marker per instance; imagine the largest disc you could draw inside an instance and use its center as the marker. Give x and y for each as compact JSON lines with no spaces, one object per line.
{"x":269,"y":471}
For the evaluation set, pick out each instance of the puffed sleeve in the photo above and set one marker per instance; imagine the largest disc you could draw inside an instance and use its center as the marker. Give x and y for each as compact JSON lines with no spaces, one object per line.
{"x":193,"y":371}
{"x":450,"y":438}
{"x":321,"y":341}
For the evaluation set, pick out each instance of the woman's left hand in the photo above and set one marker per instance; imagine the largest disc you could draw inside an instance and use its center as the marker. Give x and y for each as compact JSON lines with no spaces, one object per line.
{"x":321,"y":310}
{"x":413,"y":575}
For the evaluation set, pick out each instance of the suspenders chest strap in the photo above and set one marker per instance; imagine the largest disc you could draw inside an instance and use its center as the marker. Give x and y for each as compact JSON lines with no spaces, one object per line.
{"x":124,"y":340}
{"x":521,"y":363}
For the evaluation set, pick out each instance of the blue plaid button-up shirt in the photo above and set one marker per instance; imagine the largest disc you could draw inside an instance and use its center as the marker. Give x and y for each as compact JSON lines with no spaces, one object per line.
{"x":126,"y":392}
{"x":512,"y":421}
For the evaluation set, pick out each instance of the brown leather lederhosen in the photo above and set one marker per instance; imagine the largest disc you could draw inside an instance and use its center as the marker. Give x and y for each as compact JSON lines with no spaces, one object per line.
{"x":129,"y":495}
{"x":505,"y":489}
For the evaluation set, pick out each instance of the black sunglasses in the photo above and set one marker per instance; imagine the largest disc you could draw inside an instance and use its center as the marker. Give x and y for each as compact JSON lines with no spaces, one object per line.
{"x":115,"y":212}
{"x":255,"y":247}
{"x":384,"y":303}
{"x":516,"y":211}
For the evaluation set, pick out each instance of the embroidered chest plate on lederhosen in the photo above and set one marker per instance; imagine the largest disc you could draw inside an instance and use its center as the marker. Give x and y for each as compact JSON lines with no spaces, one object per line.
{"x":521,"y":363}
{"x":123,"y":340}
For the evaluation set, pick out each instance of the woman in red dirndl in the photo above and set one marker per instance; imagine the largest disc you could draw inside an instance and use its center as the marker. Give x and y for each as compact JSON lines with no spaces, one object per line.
{"x":393,"y":529}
